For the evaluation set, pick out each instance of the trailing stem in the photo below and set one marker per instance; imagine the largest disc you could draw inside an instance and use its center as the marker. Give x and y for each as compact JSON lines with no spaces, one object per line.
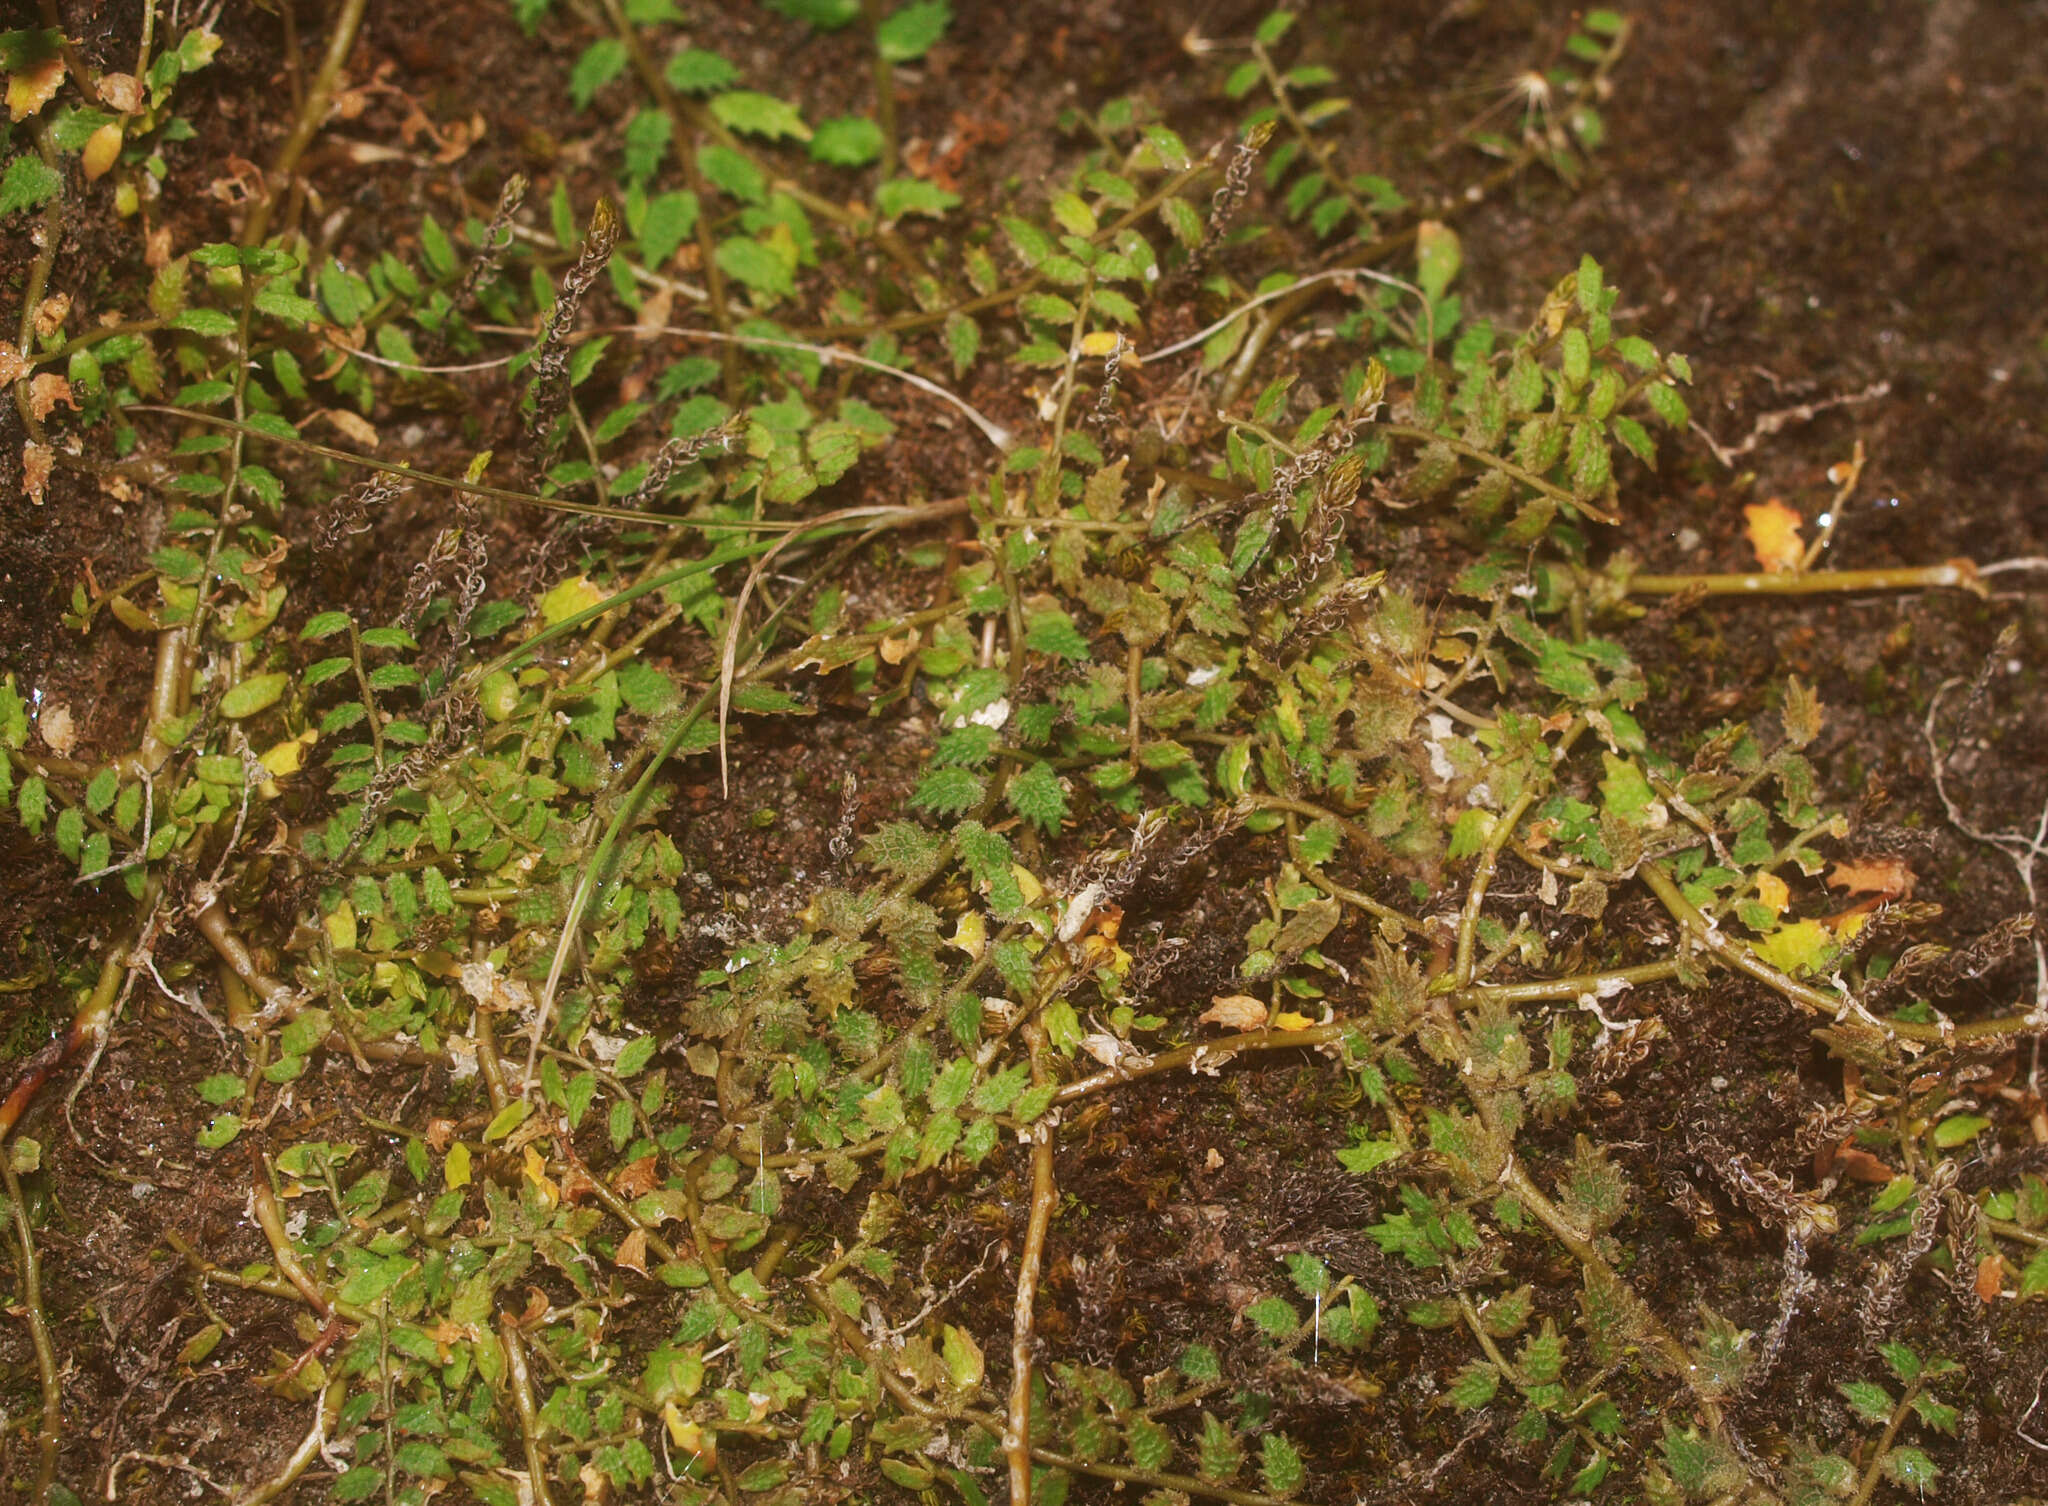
{"x":52,"y":1428}
{"x":1017,"y":1427}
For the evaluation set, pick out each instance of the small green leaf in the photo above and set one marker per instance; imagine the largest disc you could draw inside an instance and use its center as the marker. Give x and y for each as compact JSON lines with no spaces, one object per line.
{"x":846,"y":141}
{"x":507,"y":1119}
{"x":670,"y":219}
{"x":1959,"y":1129}
{"x":253,"y":695}
{"x":1438,"y":255}
{"x":912,"y":31}
{"x":600,"y":63}
{"x":695,"y":71}
{"x":28,"y":182}
{"x":634,"y":1059}
{"x":1368,"y":1156}
{"x":901,"y":196}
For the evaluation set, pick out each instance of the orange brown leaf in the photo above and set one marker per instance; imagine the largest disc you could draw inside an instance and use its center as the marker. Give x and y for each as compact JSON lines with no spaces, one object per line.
{"x":1774,"y":533}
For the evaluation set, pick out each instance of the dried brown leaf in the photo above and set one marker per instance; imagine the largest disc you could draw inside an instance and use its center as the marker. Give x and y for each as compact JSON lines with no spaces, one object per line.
{"x":1235,"y":1012}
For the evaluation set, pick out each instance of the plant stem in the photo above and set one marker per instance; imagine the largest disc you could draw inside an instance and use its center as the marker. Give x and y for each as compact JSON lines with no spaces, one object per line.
{"x":312,"y":116}
{"x":885,"y":92}
{"x":1959,"y":573}
{"x":326,"y":1412}
{"x":519,"y":1379}
{"x":38,"y":280}
{"x":1884,"y":1444}
{"x":1017,"y":1428}
{"x":52,"y":1429}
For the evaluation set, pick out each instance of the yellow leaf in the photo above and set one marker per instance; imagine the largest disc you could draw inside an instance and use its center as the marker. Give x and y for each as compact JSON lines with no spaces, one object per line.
{"x":1287,"y":1019}
{"x":1235,"y":1012}
{"x":1772,"y":893}
{"x":289,"y":756}
{"x":455,"y":1169}
{"x":1028,"y":882}
{"x":536,"y":1171}
{"x":1805,"y":946}
{"x":576,"y":594}
{"x":1100,"y":343}
{"x":1774,"y":534}
{"x":35,"y":86}
{"x":971,"y":934}
{"x":341,"y":927}
{"x":102,"y":148}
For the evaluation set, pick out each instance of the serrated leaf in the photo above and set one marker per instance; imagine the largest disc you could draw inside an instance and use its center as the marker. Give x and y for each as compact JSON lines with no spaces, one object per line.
{"x":600,"y":63}
{"x":901,"y":196}
{"x":27,"y":183}
{"x":696,"y":71}
{"x":1037,"y":795}
{"x":753,"y":113}
{"x":846,"y":141}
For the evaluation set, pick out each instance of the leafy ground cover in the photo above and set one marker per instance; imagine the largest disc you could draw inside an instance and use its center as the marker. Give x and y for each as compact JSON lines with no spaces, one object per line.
{"x":853,"y":752}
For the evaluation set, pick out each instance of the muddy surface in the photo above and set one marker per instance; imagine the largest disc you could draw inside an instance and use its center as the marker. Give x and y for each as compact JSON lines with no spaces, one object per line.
{"x":1836,"y":211}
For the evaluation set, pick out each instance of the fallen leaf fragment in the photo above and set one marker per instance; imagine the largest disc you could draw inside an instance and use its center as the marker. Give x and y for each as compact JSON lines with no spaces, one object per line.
{"x":46,"y":391}
{"x":1288,"y":1020}
{"x":10,"y":364}
{"x":1772,"y":893}
{"x":1855,"y":1163}
{"x":120,"y":92}
{"x":632,"y":1251}
{"x":1774,"y":533}
{"x":352,"y":425}
{"x":637,"y":1178}
{"x":1889,"y":877}
{"x":58,"y":728}
{"x":1990,"y":1278}
{"x":52,"y":312}
{"x":1235,"y":1012}
{"x":36,"y":460}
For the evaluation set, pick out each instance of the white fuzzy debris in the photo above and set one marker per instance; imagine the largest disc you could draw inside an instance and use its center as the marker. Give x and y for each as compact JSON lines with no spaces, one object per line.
{"x":1206,"y":675}
{"x":1440,"y":730}
{"x":461,"y":1057}
{"x":477,"y":978}
{"x":1079,"y":909}
{"x":992,"y":716}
